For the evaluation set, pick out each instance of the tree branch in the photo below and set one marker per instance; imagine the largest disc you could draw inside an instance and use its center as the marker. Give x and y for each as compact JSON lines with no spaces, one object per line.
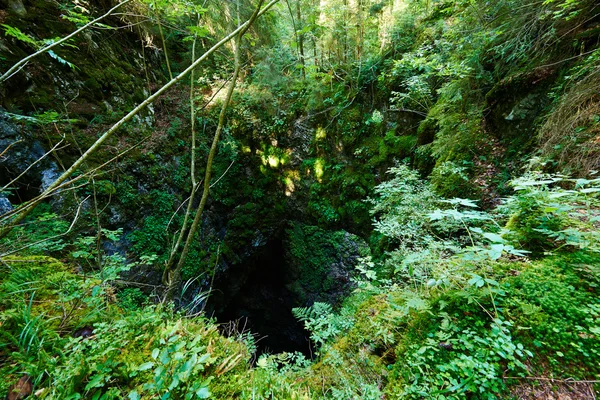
{"x":21,"y":63}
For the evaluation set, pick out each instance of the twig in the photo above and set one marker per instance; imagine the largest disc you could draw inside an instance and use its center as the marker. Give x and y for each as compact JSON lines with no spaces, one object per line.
{"x":224,"y":173}
{"x":9,"y":146}
{"x":9,"y":184}
{"x":132,"y":283}
{"x":566,"y":59}
{"x":52,"y":237}
{"x":21,"y":63}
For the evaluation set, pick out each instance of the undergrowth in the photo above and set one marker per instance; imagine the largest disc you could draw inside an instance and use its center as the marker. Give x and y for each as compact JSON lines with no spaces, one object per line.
{"x":454,"y":306}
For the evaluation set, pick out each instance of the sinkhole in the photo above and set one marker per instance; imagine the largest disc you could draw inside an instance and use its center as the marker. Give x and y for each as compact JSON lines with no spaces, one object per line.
{"x":253,"y":296}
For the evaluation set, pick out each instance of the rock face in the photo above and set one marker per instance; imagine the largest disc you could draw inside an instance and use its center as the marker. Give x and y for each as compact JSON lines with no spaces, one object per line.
{"x":5,"y":205}
{"x":304,"y":265}
{"x":17,"y":7}
{"x":320,"y":263}
{"x":19,"y":153}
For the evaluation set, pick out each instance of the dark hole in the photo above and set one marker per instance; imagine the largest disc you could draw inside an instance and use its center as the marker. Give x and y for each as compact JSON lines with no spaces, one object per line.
{"x":21,"y":191}
{"x":255,"y":294}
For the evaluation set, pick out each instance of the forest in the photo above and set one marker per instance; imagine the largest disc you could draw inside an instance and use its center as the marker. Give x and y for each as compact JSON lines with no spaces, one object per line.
{"x":299,"y":199}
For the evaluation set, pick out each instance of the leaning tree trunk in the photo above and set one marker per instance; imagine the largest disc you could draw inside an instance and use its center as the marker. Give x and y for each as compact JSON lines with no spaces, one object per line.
{"x":172,"y":274}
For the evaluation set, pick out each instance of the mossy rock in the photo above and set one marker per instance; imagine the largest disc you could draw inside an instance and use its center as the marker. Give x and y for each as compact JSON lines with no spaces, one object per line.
{"x":321,"y":263}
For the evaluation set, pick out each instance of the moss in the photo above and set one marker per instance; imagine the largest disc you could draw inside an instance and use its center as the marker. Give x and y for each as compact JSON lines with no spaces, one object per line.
{"x":556,"y":300}
{"x":452,"y":180}
{"x":319,"y":261}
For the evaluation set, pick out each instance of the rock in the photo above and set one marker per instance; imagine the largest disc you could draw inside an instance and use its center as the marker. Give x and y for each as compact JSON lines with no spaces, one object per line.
{"x":526,"y":108}
{"x":5,"y":205}
{"x":320,"y":263}
{"x":19,"y":152}
{"x":17,"y":7}
{"x":21,"y":389}
{"x":49,"y":175}
{"x":84,"y":333}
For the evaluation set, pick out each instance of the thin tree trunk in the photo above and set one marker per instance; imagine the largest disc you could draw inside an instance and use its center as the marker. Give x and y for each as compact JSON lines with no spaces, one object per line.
{"x":172,"y":277}
{"x":294,"y":27}
{"x":301,"y":38}
{"x":189,"y":208}
{"x":164,"y":43}
{"x":28,"y":207}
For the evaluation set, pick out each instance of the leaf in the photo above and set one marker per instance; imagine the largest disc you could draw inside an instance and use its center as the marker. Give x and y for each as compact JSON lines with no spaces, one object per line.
{"x":549,"y":209}
{"x":516,"y":252}
{"x":476,"y":280}
{"x":491,"y":282}
{"x":590,"y":190}
{"x":436,"y":215}
{"x":493,"y":237}
{"x":96,"y":381}
{"x":462,"y":202}
{"x":203,"y":393}
{"x":146,"y":366}
{"x":199,"y":31}
{"x":17,"y":34}
{"x":133,"y":395}
{"x":61,"y":60}
{"x":263,"y":362}
{"x":155,"y":353}
{"x":495,"y":251}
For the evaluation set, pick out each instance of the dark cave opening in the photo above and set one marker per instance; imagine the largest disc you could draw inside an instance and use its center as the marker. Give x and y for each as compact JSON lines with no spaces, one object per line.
{"x":255,"y":294}
{"x":20,"y":192}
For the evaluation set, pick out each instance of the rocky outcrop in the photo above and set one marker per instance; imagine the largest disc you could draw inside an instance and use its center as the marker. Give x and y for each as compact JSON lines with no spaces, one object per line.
{"x":22,"y":155}
{"x":320,"y":264}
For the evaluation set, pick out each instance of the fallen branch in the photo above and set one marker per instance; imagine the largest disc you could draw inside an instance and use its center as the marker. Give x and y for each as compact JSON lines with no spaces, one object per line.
{"x":537,"y":378}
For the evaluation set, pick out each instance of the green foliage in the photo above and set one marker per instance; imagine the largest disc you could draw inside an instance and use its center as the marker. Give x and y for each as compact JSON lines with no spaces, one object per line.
{"x":555,"y":300}
{"x":43,"y":234}
{"x":45,"y":118}
{"x":176,"y":363}
{"x":400,"y":205}
{"x":459,"y":360}
{"x":449,"y":305}
{"x":17,"y":34}
{"x":146,"y":351}
{"x":451,"y":179}
{"x":132,"y":299}
{"x":153,"y":235}
{"x":321,"y":322}
{"x":544,"y":216}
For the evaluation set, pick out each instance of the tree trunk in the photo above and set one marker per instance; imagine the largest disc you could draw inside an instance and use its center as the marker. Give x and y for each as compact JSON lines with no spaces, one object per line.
{"x":172,"y":276}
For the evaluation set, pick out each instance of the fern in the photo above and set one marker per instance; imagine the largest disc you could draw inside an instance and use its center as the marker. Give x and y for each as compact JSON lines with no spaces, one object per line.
{"x":17,"y":34}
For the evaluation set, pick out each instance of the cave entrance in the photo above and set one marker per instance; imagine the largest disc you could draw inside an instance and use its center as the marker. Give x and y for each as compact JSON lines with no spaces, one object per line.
{"x":254,"y":296}
{"x":20,"y":192}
